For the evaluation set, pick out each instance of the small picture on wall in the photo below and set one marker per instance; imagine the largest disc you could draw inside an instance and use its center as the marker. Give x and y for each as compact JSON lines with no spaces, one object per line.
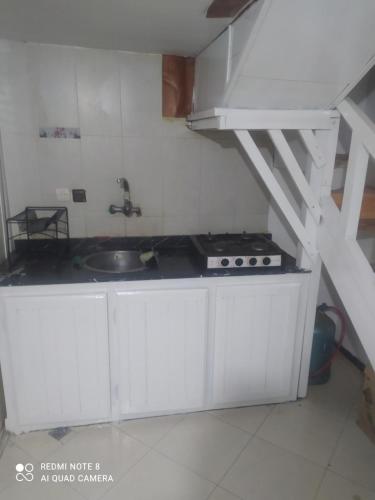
{"x":59,"y":133}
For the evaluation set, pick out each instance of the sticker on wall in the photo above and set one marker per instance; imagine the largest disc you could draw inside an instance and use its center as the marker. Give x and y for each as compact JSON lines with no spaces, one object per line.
{"x":59,"y":133}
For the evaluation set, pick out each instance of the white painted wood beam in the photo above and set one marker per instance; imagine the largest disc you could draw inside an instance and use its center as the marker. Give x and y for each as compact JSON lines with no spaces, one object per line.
{"x":313,"y":147}
{"x":256,"y":119}
{"x":354,"y":187}
{"x":276,"y":191}
{"x":360,"y":123}
{"x":295,"y":172}
{"x":315,"y":266}
{"x":209,"y":123}
{"x":320,"y":181}
{"x":328,"y":142}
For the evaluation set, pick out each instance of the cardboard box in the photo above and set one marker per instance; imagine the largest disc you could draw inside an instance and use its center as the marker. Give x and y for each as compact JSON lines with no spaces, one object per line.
{"x":366,"y":417}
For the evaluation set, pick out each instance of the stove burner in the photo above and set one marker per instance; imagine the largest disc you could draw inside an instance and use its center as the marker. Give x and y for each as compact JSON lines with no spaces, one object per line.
{"x":259,"y":246}
{"x":221,"y":245}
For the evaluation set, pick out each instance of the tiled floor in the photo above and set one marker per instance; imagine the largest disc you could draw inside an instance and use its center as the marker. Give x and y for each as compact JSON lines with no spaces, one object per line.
{"x":308,"y":450}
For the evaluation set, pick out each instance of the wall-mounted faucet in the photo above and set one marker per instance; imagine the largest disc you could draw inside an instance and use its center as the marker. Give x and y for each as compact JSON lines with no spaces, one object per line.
{"x":127,"y":209}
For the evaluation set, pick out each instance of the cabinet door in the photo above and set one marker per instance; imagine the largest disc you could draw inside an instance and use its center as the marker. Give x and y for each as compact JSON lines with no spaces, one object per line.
{"x":59,"y":357}
{"x":255,"y":332}
{"x":162,"y":345}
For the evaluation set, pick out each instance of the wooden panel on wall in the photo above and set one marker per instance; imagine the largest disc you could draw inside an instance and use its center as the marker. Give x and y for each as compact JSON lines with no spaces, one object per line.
{"x":178,"y":82}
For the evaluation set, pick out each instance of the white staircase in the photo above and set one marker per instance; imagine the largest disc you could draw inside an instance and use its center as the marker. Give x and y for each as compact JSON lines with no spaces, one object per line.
{"x":347,"y":265}
{"x":351,"y":274}
{"x":325,"y":232}
{"x":288,"y":65}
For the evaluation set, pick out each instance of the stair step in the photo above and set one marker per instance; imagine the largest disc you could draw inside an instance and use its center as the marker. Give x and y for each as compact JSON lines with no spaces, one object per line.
{"x":367,"y":218}
{"x":341,"y":160}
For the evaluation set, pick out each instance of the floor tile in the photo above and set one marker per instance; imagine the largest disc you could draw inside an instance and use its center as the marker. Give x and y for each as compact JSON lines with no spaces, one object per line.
{"x":267,"y":472}
{"x":200,"y":449}
{"x":307,"y":431}
{"x":73,"y":434}
{"x":40,"y":491}
{"x":150,"y":430}
{"x":157,"y":478}
{"x":112,"y":449}
{"x":335,"y":487}
{"x":220,"y":494}
{"x":354,"y":457}
{"x":340,"y":392}
{"x":38,"y":444}
{"x":205,"y":444}
{"x":11,"y":456}
{"x":248,"y":419}
{"x":355,"y":411}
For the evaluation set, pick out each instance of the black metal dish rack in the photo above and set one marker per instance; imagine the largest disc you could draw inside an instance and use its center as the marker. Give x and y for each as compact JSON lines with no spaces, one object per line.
{"x":37,"y":229}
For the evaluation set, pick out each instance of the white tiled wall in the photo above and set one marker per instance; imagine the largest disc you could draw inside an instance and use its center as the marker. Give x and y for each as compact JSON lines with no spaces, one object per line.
{"x":184,"y":182}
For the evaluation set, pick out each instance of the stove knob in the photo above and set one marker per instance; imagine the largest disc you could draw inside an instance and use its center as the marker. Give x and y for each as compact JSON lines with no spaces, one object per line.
{"x":238,"y":262}
{"x":266,"y":261}
{"x":253,"y":261}
{"x":225,"y":262}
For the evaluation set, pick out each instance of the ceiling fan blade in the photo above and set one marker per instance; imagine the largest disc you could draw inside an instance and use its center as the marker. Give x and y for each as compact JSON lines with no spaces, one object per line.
{"x":226,"y":8}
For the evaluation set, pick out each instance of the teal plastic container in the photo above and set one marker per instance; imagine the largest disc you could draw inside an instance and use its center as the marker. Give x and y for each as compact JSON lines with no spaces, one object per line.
{"x":323,"y":347}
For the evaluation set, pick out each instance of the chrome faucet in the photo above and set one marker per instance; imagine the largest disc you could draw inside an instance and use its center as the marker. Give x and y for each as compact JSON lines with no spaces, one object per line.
{"x":127,"y":209}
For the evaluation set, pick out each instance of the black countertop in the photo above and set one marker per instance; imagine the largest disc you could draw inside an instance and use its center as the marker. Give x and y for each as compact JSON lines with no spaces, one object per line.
{"x":176,"y":258}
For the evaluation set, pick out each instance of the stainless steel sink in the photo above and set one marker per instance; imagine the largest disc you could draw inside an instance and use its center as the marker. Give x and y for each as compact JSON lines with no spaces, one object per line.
{"x":117,"y":261}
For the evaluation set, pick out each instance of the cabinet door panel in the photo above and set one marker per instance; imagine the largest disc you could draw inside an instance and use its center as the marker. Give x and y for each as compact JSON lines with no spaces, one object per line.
{"x":162,"y":343}
{"x":60,"y":363}
{"x":255,"y":332}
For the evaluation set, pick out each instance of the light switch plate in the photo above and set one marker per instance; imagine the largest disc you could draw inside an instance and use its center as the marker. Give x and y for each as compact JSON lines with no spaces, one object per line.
{"x":63,"y":194}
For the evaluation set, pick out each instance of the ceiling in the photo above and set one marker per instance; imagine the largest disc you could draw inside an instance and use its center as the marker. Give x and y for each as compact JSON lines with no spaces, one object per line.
{"x":164,"y":26}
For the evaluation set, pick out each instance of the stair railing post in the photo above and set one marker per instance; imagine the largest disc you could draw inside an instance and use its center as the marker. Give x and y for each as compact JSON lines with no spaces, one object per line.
{"x":320,"y":181}
{"x":354,"y":187}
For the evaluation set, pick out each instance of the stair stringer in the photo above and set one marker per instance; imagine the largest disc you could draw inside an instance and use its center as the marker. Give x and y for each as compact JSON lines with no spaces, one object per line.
{"x":351,"y":274}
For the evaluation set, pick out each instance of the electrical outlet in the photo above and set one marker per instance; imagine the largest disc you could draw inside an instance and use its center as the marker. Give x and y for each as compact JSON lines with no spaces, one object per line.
{"x":79,"y":195}
{"x":63,"y":194}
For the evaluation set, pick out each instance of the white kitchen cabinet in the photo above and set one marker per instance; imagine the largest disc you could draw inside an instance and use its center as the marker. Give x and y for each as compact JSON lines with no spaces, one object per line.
{"x":255,"y":342}
{"x":161,"y":337}
{"x":56,"y":365}
{"x":82,"y":353}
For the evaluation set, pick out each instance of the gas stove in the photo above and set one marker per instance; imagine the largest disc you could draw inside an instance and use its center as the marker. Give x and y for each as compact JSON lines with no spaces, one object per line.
{"x":238,"y":251}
